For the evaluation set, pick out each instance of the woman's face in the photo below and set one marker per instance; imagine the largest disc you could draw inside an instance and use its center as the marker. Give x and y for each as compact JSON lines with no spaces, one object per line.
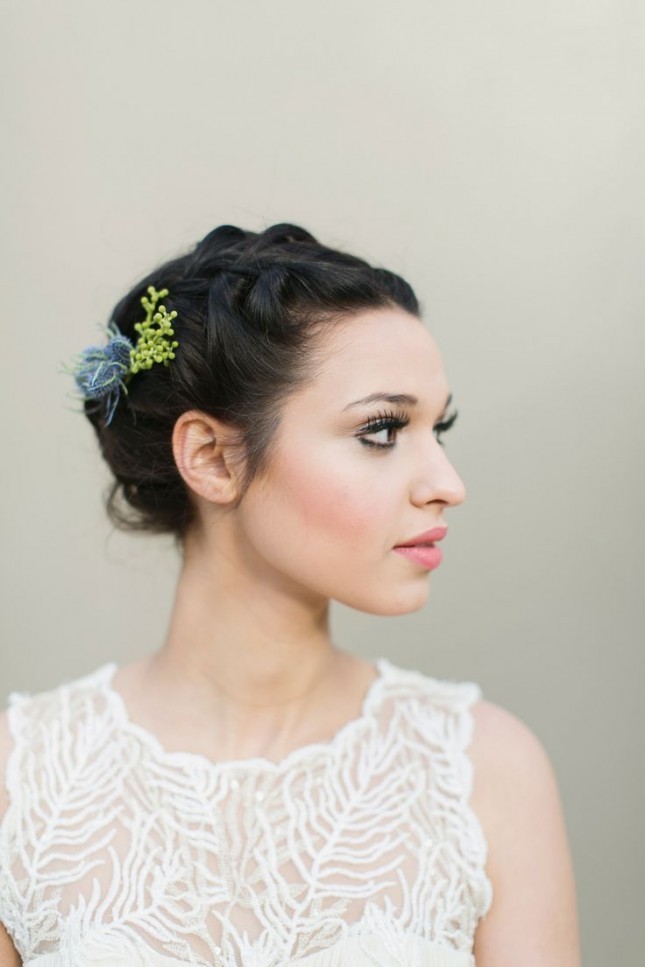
{"x":330,"y":509}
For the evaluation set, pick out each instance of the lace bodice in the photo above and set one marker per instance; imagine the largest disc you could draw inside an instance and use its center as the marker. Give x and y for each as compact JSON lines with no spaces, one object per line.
{"x":114,"y":851}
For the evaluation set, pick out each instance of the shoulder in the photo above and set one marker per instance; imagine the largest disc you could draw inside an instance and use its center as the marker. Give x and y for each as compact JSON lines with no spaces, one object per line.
{"x":45,"y":736}
{"x":502,"y":742}
{"x":8,"y":953}
{"x":32,"y":723}
{"x":512,"y":772}
{"x":512,"y":766}
{"x":14,"y":736}
{"x":6,"y":745}
{"x":533,"y":918}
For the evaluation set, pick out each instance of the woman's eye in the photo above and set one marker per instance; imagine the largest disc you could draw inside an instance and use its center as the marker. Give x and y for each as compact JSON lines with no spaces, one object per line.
{"x":384,"y":430}
{"x":388,"y":422}
{"x":443,"y":427}
{"x":383,"y":423}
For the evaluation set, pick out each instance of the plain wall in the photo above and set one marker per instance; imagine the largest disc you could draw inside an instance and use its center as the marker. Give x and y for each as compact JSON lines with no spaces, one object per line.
{"x":492,"y":153}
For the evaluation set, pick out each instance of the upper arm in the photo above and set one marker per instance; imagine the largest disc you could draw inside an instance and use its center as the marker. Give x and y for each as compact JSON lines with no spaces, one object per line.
{"x":533,"y":920}
{"x":9,"y":956}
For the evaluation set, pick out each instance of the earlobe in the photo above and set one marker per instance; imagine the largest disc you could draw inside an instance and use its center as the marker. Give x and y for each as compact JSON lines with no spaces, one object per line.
{"x":200,"y":450}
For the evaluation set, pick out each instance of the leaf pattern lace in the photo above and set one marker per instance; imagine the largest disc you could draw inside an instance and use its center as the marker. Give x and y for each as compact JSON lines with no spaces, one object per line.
{"x":111,"y":844}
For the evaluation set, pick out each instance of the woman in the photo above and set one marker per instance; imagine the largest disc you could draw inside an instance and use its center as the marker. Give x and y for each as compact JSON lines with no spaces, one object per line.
{"x":250,"y":793}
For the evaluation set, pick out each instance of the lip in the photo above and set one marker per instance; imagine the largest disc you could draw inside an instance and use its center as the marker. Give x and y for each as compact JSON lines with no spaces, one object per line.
{"x":425,"y":555}
{"x":428,"y":537}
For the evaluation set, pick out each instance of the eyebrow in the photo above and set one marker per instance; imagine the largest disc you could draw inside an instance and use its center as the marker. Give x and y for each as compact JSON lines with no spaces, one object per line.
{"x":395,"y":398}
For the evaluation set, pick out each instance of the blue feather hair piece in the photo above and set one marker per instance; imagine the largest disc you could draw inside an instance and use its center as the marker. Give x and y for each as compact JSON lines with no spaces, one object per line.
{"x":101,"y":370}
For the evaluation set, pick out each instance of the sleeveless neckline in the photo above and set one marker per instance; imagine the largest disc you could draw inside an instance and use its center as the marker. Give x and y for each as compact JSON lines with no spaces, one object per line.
{"x":255,"y":764}
{"x":179,"y":858}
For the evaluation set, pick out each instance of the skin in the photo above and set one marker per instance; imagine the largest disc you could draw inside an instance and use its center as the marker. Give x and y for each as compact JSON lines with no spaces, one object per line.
{"x":248,"y":659}
{"x":248,"y":667}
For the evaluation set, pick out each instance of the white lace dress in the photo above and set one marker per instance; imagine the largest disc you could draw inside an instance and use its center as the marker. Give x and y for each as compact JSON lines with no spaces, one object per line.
{"x":362,"y":850}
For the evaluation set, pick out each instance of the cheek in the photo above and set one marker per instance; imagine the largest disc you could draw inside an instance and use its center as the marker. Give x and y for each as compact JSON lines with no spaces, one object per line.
{"x":334,"y":499}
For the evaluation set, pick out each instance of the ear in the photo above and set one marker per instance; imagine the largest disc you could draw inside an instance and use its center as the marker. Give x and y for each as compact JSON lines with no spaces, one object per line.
{"x":204,"y":449}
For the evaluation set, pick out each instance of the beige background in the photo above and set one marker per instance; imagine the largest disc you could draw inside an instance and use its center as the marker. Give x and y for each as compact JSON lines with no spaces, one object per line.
{"x":492,"y":153}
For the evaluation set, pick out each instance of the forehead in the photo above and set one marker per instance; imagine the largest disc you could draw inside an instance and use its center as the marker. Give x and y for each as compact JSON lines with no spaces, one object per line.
{"x":380,"y":350}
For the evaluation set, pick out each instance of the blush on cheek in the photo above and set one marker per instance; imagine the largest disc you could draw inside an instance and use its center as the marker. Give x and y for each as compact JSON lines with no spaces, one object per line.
{"x":332,"y":506}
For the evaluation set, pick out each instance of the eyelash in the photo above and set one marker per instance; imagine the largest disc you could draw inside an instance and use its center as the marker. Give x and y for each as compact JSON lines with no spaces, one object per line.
{"x":397,"y":420}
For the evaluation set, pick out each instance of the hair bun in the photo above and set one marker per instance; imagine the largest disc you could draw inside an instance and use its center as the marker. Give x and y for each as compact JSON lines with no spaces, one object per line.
{"x":286,"y":233}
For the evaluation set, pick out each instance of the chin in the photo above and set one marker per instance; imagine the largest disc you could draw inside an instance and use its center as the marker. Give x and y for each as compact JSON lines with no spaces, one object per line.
{"x":389,"y":605}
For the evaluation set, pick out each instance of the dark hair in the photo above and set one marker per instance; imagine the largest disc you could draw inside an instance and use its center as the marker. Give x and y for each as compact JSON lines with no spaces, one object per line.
{"x":249,"y":306}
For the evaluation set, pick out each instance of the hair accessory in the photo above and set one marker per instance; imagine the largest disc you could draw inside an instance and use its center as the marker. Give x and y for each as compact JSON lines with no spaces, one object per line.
{"x":154,"y":345}
{"x":103,"y":372}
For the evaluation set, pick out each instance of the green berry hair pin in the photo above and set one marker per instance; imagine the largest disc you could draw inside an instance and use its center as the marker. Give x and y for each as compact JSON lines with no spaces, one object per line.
{"x":103,"y":372}
{"x":154,"y":345}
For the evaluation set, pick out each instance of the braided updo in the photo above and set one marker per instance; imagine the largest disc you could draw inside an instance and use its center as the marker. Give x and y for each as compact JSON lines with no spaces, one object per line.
{"x":249,"y":306}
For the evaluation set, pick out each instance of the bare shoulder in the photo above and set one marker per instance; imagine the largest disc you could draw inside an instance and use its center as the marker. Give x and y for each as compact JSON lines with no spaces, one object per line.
{"x":501,"y":738}
{"x":6,"y":745}
{"x":533,"y":920}
{"x":8,"y":954}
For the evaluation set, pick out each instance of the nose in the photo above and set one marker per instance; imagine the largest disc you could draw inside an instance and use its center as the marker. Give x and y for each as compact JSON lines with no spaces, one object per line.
{"x":438,"y":480}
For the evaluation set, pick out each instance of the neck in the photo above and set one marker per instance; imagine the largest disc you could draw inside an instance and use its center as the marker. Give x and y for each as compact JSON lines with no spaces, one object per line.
{"x":251,"y":662}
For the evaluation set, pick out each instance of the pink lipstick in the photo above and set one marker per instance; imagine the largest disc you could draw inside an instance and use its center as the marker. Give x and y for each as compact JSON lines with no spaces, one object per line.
{"x":427,"y":556}
{"x":421,"y":549}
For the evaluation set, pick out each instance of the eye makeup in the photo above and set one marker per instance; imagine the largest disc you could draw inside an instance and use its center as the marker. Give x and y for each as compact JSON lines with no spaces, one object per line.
{"x":395,"y":420}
